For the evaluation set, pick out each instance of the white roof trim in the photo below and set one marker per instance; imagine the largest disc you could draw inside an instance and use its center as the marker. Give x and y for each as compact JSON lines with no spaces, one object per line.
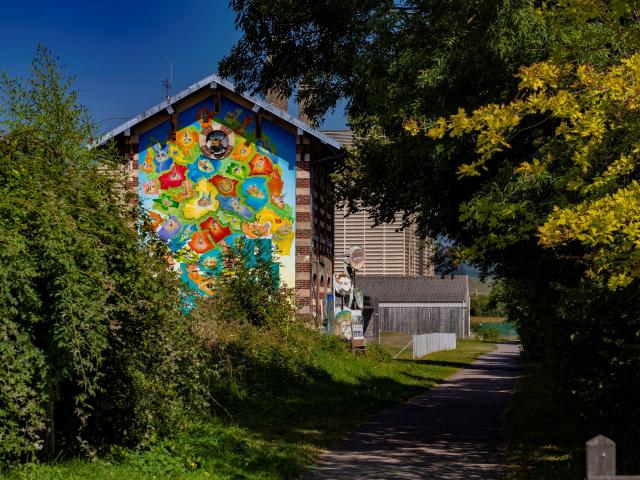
{"x":215,"y":79}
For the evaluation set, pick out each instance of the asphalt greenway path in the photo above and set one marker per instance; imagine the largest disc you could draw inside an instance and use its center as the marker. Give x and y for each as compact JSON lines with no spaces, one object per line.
{"x":450,"y":432}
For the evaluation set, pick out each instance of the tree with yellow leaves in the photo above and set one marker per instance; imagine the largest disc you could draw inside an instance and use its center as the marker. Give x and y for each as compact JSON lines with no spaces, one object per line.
{"x":593,"y":116}
{"x":554,"y":209}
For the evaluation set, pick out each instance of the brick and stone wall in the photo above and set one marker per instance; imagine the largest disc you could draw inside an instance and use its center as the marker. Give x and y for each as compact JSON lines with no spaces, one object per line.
{"x":322,"y":237}
{"x":131,"y":161}
{"x":314,"y":231}
{"x":303,"y":223}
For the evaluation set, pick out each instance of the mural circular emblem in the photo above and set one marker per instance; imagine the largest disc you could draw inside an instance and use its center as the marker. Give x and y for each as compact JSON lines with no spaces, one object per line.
{"x":216,"y":141}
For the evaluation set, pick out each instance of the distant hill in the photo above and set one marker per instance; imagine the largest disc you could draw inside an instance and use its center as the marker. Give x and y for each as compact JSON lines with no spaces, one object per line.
{"x":465,"y":269}
{"x":476,"y":287}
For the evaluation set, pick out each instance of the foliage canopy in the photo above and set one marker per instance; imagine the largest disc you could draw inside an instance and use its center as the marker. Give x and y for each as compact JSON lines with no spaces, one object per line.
{"x":592,"y":152}
{"x":389,"y":61}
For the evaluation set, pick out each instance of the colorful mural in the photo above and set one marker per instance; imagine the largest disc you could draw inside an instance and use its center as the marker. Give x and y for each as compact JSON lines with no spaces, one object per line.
{"x":215,"y":183}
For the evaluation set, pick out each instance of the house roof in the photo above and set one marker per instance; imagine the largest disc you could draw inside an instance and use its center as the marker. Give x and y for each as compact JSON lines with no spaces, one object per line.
{"x":415,"y":289}
{"x":210,"y":82}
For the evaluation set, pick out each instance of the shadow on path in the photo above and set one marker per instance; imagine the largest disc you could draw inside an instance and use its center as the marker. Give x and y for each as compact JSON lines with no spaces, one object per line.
{"x":450,"y":432}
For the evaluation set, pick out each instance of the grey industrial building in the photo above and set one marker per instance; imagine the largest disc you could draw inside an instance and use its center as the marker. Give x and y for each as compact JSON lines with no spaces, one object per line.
{"x":390,"y":250}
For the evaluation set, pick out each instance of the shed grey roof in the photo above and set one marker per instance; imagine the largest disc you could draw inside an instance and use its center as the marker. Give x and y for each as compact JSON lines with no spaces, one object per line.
{"x":415,"y":289}
{"x":213,"y":81}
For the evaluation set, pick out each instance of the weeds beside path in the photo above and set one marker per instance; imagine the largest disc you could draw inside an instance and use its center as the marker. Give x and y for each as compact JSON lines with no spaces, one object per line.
{"x":547,"y":440}
{"x":543,"y":440}
{"x":279,"y":422}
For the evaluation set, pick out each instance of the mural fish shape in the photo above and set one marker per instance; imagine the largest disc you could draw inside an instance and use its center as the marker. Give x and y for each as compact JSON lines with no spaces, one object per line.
{"x":260,"y":165}
{"x":162,"y":159}
{"x":202,"y":168}
{"x":200,"y":242}
{"x":217,"y":231}
{"x":202,"y":203}
{"x":254,"y":191}
{"x":170,"y":228}
{"x":226,"y":186}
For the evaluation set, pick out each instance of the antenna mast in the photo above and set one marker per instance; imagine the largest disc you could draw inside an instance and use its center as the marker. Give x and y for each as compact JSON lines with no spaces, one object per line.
{"x":167,"y":83}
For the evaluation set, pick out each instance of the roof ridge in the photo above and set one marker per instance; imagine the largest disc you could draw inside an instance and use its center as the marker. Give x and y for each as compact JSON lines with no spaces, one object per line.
{"x":207,"y":81}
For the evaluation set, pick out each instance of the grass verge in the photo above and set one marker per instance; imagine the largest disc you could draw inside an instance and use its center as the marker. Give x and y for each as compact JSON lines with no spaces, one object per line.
{"x":543,"y":441}
{"x":546,"y":440}
{"x":276,"y":424}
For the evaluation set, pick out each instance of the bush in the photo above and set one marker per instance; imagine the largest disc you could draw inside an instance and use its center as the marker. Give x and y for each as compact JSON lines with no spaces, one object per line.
{"x":93,"y":347}
{"x":490,"y":334}
{"x":250,"y":327}
{"x":488,"y":305}
{"x":476,"y":329}
{"x":249,"y":289}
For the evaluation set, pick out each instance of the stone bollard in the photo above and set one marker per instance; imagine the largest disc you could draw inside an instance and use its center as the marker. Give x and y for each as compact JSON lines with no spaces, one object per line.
{"x":601,"y":457}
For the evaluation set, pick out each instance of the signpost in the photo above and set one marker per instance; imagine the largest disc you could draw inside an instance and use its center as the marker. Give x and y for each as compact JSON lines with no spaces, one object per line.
{"x":357,"y":329}
{"x":349,"y":321}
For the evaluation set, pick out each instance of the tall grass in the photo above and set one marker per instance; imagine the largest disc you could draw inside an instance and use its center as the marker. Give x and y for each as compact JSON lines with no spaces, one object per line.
{"x":280,"y":397}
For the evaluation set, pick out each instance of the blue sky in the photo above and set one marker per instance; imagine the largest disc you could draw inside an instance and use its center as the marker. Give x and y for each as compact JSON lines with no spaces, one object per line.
{"x":117,"y":49}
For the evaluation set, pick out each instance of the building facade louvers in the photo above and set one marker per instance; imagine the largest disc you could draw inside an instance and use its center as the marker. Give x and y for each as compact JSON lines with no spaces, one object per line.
{"x":390,"y":251}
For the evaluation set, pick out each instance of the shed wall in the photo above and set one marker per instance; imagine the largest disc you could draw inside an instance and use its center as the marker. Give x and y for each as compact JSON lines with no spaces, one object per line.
{"x":423,"y":318}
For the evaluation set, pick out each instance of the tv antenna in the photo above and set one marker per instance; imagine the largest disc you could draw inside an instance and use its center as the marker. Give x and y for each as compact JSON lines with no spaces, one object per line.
{"x":167,"y":82}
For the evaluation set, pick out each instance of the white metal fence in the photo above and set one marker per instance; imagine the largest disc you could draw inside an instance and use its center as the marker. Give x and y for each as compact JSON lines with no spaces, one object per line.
{"x":433,"y":342}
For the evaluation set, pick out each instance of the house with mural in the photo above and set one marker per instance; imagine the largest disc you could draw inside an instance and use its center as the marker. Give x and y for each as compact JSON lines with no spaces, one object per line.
{"x":211,"y":166}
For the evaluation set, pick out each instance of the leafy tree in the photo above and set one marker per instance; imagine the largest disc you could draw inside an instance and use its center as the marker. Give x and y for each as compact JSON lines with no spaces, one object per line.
{"x":556,"y":216}
{"x":248,"y":291}
{"x":93,"y":347}
{"x":389,"y":61}
{"x":536,"y":185}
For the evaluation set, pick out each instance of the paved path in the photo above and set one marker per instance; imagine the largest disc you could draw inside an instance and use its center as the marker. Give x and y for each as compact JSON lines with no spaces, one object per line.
{"x":450,"y":432}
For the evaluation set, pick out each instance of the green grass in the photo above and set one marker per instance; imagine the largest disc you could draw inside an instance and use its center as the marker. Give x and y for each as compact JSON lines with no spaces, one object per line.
{"x":543,"y":441}
{"x":275,"y":428}
{"x":546,"y":440}
{"x":397,"y":344}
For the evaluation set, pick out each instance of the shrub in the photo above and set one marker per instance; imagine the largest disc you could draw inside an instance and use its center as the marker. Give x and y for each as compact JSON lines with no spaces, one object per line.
{"x":490,"y":334}
{"x":249,"y":289}
{"x":93,"y":347}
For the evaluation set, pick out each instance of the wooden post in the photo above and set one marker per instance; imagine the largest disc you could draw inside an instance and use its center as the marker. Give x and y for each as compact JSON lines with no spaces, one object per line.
{"x":601,"y":457}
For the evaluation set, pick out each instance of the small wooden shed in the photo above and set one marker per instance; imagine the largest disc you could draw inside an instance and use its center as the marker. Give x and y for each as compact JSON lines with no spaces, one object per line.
{"x":416,"y":305}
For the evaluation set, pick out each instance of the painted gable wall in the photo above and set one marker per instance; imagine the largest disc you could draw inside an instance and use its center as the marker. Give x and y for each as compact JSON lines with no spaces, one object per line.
{"x":217,"y":182}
